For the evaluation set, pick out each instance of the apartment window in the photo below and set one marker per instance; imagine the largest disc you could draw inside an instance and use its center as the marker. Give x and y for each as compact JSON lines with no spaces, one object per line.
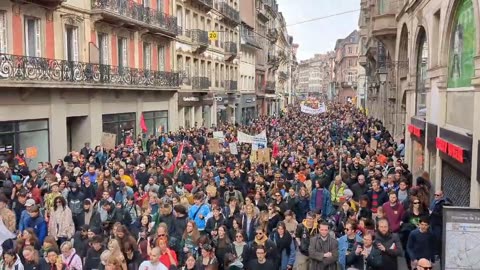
{"x":349,"y":49}
{"x":103,"y":48}
{"x":160,"y":5}
{"x":180,"y":18}
{"x":3,"y":32}
{"x":188,"y":67}
{"x":146,"y":3}
{"x":122,"y":52}
{"x":32,"y":37}
{"x":71,"y":43}
{"x":161,"y":57}
{"x":187,"y":20}
{"x":147,"y":56}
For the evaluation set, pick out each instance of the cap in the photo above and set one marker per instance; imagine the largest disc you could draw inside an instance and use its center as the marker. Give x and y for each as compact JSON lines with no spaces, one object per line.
{"x":30,"y":202}
{"x":87,"y":202}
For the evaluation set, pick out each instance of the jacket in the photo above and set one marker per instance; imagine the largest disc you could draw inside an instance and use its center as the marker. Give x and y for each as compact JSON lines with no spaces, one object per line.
{"x":393,"y":249}
{"x":342,"y":249}
{"x":61,"y":223}
{"x":204,"y":210}
{"x":421,"y":245}
{"x":73,"y":261}
{"x":394,"y":215}
{"x":316,"y":252}
{"x":374,"y":259}
{"x":327,"y":207}
{"x":39,"y":225}
{"x":285,"y":258}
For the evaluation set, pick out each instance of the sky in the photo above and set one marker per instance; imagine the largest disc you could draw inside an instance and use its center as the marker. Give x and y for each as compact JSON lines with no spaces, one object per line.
{"x":318,"y":36}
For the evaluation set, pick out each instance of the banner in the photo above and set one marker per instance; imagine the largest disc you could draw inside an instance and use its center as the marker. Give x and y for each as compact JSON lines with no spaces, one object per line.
{"x":259,"y":139}
{"x":233,"y":148}
{"x":309,"y":110}
{"x":263,"y":155}
{"x":219,"y":136}
{"x":108,"y":141}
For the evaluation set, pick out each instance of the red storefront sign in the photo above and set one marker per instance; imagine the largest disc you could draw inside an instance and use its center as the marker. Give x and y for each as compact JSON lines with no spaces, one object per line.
{"x":452,"y":150}
{"x":415,"y":131}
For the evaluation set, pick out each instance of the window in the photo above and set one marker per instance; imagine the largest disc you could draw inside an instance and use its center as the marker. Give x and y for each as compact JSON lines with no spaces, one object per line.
{"x":3,"y":32}
{"x":71,"y":43}
{"x":146,"y":3}
{"x":160,"y":5}
{"x":103,"y":48}
{"x":349,"y":49}
{"x":122,"y":52}
{"x":161,"y":57}
{"x":32,"y":37}
{"x":422,"y":60}
{"x":157,"y":122}
{"x":121,"y":124}
{"x":147,"y":56}
{"x":180,"y":18}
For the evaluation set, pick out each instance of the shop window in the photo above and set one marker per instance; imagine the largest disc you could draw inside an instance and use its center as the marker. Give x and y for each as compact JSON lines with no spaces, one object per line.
{"x":462,"y":46}
{"x":157,"y":122}
{"x":32,"y":125}
{"x":122,"y":125}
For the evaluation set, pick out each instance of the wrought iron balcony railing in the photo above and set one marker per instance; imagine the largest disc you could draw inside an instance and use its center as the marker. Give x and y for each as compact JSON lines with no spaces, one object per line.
{"x":200,"y":83}
{"x":199,"y":37}
{"x":250,"y":38}
{"x":207,"y":5}
{"x":272,"y":34}
{"x":230,"y":48}
{"x":131,"y":10}
{"x":229,"y":13}
{"x":231,"y":85}
{"x":38,"y":69}
{"x":47,"y":3}
{"x":271,"y":5}
{"x":270,"y":85}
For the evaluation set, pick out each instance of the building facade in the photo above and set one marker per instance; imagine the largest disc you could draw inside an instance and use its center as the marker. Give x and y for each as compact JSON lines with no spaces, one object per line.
{"x":425,"y":55}
{"x":314,"y":75}
{"x":345,"y":67}
{"x":71,"y":70}
{"x":208,"y":66}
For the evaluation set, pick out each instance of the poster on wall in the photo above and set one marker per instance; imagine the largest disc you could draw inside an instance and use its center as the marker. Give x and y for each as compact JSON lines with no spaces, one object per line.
{"x":108,"y":140}
{"x":462,"y":47}
{"x":461,"y":230}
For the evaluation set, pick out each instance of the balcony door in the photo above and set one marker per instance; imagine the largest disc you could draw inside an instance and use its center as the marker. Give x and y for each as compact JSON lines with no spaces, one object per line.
{"x":122,"y":52}
{"x":32,"y":37}
{"x":71,"y":43}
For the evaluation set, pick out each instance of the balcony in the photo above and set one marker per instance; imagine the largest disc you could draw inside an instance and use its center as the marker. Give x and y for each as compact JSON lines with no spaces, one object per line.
{"x":262,"y":15}
{"x":200,"y":83}
{"x":273,"y":60}
{"x":272,"y":7}
{"x":131,"y":14}
{"x":346,"y":84}
{"x":384,"y":22}
{"x":250,"y":39}
{"x":229,"y":14}
{"x":230,"y":50}
{"x":45,"y":3}
{"x":231,"y":86}
{"x":199,"y":40}
{"x":204,"y":5}
{"x":25,"y":71}
{"x":272,"y":35}
{"x":270,"y":87}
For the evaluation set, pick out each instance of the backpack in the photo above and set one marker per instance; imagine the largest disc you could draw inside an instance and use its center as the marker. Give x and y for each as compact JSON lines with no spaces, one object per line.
{"x":76,"y":206}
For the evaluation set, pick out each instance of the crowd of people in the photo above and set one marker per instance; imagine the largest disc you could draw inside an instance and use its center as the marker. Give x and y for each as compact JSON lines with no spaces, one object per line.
{"x":334,"y":194}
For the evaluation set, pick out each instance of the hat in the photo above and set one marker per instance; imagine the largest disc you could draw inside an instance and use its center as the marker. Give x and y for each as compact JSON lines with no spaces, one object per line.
{"x":54,"y":184}
{"x":30,"y":202}
{"x":16,"y":179}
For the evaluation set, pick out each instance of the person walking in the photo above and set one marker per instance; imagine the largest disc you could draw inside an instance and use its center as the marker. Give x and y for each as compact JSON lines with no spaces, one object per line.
{"x":421,"y":243}
{"x":389,"y":244}
{"x":323,"y":250}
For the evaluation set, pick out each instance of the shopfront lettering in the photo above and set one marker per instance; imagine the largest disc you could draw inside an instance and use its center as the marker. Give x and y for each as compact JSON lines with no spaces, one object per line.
{"x":415,"y":131}
{"x":219,"y":99}
{"x":191,"y":99}
{"x":454,"y":151}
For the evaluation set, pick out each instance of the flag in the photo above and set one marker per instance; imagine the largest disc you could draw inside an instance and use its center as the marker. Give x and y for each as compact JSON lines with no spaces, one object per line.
{"x":143,"y":125}
{"x":171,"y":169}
{"x":275,"y":150}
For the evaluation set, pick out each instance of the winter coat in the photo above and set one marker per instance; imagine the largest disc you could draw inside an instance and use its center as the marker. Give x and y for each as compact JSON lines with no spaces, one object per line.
{"x":318,"y":248}
{"x":327,"y":207}
{"x":73,"y":261}
{"x":61,"y":223}
{"x":393,"y":249}
{"x":38,"y":225}
{"x":374,"y":259}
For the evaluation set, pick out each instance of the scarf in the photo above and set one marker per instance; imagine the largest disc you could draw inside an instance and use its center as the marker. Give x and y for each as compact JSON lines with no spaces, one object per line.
{"x":262,"y":241}
{"x":283,"y":243}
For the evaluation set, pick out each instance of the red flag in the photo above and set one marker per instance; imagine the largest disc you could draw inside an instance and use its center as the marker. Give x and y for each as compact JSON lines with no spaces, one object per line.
{"x":143,"y":126}
{"x":275,"y":150}
{"x":171,"y":169}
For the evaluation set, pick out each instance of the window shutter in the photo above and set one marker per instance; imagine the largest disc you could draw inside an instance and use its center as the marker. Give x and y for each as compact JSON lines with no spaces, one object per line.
{"x":3,"y":32}
{"x":75,"y":43}
{"x":124,"y":52}
{"x":38,"y":50}
{"x":147,"y":57}
{"x":161,"y":58}
{"x":105,"y":49}
{"x":26,"y":38}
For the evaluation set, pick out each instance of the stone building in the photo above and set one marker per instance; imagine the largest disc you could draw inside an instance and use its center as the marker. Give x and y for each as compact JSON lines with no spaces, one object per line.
{"x":314,"y":75}
{"x":421,"y":63}
{"x":345,"y":67}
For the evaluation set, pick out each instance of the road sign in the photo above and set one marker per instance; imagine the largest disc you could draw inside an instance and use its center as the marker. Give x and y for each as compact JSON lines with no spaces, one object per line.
{"x":212,"y":35}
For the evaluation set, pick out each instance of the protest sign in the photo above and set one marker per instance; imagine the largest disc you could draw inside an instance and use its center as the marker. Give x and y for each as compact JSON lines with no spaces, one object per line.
{"x":309,"y":110}
{"x":219,"y":136}
{"x":108,"y":141}
{"x":263,"y":155}
{"x":233,"y":148}
{"x":31,"y":152}
{"x":213,"y":146}
{"x":253,"y":156}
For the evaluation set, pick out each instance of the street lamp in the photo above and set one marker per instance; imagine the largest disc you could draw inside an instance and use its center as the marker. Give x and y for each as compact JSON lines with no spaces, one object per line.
{"x":382,"y":75}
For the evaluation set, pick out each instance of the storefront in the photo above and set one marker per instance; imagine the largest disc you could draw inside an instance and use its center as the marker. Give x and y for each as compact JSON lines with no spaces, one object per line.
{"x":29,"y":136}
{"x":456,"y":154}
{"x":416,"y":128}
{"x":195,"y":109}
{"x":156,"y":121}
{"x":226,"y":107}
{"x":432,"y":133}
{"x":246,"y":109}
{"x":120,"y":124}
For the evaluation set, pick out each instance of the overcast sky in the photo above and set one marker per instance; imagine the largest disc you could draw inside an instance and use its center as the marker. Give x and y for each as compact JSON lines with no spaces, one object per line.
{"x":318,"y":36}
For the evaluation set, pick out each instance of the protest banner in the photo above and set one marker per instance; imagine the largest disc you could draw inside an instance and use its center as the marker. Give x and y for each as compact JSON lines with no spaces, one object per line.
{"x":263,"y":155}
{"x":219,"y":136}
{"x":253,"y":156}
{"x":214,"y":146}
{"x":244,"y":137}
{"x":309,"y":110}
{"x":260,"y":139}
{"x":108,"y":140}
{"x":233,"y":148}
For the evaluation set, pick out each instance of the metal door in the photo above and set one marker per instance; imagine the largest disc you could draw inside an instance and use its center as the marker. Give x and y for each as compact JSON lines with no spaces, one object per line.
{"x":455,"y":185}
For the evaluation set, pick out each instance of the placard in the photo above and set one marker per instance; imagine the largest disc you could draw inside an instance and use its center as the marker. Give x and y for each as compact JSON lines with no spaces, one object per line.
{"x":108,"y":140}
{"x":263,"y":155}
{"x":213,"y":146}
{"x":373,"y":144}
{"x":219,"y":136}
{"x":253,"y":156}
{"x":233,"y":148}
{"x":31,"y":152}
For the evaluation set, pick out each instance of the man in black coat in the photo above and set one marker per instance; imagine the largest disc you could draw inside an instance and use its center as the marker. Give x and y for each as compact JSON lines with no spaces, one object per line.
{"x":367,"y":253}
{"x":389,"y":244}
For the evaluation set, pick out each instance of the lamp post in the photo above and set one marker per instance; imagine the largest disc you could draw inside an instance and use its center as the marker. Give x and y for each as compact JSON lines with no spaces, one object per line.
{"x":382,"y":77}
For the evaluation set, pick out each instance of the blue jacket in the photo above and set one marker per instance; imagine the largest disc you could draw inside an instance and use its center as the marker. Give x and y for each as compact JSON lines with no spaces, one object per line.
{"x":327,"y":207}
{"x":22,"y":224}
{"x":201,"y":222}
{"x":342,"y":249}
{"x":39,"y":226}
